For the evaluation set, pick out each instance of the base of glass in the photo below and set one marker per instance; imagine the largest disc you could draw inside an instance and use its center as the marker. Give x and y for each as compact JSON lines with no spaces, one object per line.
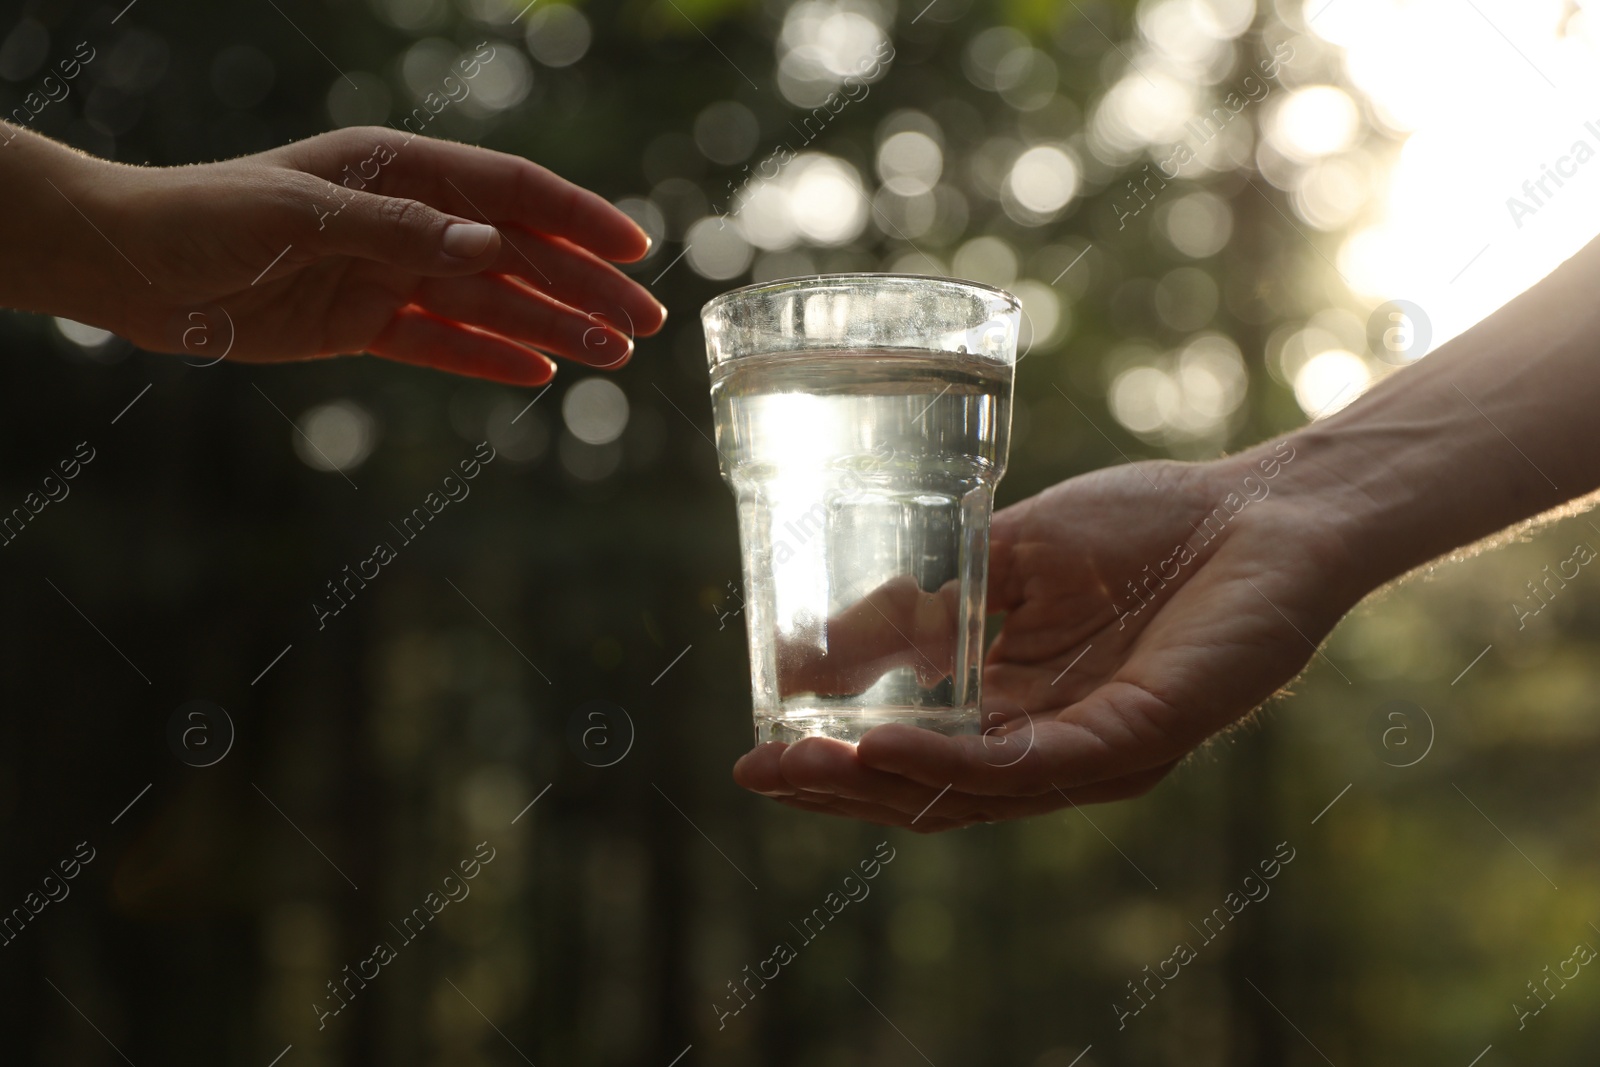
{"x":849,"y":724}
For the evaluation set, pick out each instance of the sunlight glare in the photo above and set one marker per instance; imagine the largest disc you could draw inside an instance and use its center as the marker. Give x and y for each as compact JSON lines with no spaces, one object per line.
{"x":1497,"y":183}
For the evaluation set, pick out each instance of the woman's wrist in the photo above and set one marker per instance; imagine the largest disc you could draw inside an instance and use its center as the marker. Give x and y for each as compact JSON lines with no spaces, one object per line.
{"x":53,"y":255}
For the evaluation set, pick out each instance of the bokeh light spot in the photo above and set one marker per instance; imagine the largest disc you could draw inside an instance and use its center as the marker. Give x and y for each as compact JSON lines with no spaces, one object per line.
{"x":986,"y":259}
{"x":1144,"y":399}
{"x":84,"y":336}
{"x":1199,"y":224}
{"x":1330,"y":380}
{"x":558,"y":35}
{"x":910,"y":162}
{"x":726,"y":132}
{"x":826,"y":198}
{"x":1044,"y":179}
{"x":716,"y":249}
{"x":1314,"y":121}
{"x":365,"y":103}
{"x":501,"y":83}
{"x":595,"y":411}
{"x":337,"y":436}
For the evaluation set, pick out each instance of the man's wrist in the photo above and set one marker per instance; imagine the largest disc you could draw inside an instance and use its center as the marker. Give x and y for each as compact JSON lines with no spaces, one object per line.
{"x":1309,"y":497}
{"x":1407,"y":474}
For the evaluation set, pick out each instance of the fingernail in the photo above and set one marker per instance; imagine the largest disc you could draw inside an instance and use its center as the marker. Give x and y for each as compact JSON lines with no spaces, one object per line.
{"x":464,"y":240}
{"x":618,"y":361}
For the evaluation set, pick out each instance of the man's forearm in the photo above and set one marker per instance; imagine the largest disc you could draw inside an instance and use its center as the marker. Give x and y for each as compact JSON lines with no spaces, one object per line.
{"x":1493,"y":428}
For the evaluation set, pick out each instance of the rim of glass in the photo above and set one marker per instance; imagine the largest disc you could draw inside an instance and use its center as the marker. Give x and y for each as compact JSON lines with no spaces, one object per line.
{"x":805,"y":280}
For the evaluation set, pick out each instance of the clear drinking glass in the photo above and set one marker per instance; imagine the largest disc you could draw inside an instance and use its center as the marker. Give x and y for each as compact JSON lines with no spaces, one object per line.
{"x":862,"y":422}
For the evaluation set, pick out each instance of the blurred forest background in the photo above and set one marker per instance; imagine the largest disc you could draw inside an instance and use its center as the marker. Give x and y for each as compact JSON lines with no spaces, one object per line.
{"x":566,"y":635}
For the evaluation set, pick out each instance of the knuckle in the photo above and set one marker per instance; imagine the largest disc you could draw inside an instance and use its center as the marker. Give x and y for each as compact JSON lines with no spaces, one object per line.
{"x":403,"y":221}
{"x":400,"y":213}
{"x":342,"y":137}
{"x":325,"y":141}
{"x":294,"y":198}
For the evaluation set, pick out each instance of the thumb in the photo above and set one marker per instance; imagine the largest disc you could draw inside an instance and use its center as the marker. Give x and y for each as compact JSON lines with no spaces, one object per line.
{"x":402,"y":233}
{"x":1005,"y":579}
{"x":1006,"y":524}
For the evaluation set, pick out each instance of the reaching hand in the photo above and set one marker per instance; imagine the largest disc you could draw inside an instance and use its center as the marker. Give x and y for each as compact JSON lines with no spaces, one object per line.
{"x":1147,"y":607}
{"x":363,"y":240}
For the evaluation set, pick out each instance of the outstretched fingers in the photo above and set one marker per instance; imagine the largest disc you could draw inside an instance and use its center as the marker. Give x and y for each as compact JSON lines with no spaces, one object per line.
{"x":580,"y":279}
{"x":420,"y":337}
{"x":407,"y":234}
{"x":504,"y":306}
{"x":468,"y":181}
{"x":481,"y":183}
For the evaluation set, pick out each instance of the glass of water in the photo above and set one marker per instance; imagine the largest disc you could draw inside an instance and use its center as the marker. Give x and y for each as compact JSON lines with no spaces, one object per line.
{"x":862,"y":421}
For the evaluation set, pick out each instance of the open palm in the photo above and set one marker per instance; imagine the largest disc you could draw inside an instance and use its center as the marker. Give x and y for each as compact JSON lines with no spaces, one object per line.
{"x":1147,"y":607}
